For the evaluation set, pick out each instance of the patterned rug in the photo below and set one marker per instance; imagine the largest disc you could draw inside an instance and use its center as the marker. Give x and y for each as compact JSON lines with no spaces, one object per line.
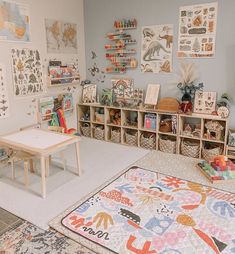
{"x":145,"y":212}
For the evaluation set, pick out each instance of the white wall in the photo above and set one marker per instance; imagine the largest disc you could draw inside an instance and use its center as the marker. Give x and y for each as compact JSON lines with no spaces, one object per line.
{"x":22,"y":109}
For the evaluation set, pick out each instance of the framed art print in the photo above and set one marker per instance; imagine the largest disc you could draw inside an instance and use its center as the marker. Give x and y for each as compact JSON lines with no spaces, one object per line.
{"x":152,"y":94}
{"x":89,"y":93}
{"x":204,"y":102}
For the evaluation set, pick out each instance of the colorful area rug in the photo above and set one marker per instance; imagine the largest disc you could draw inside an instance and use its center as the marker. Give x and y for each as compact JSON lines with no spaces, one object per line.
{"x":145,"y":212}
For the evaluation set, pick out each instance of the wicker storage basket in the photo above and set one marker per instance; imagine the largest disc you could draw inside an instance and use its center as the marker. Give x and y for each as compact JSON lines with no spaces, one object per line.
{"x":115,"y":135}
{"x":167,"y":145}
{"x":86,"y":130}
{"x":131,"y":138}
{"x":190,"y":149}
{"x":166,"y":125}
{"x":148,"y":141}
{"x":99,"y":133}
{"x":209,"y":153}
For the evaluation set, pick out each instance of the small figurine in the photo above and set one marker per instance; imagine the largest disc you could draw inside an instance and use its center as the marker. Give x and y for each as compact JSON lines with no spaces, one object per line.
{"x":186,"y":105}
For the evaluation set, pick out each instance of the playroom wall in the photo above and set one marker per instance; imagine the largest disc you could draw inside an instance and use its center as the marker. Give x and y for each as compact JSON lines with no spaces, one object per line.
{"x":216,"y":73}
{"x":23,"y":111}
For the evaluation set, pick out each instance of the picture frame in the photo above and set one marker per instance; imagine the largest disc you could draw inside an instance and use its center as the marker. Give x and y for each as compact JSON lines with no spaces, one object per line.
{"x":89,"y":93}
{"x":152,"y":93}
{"x":204,"y":102}
{"x":123,"y":88}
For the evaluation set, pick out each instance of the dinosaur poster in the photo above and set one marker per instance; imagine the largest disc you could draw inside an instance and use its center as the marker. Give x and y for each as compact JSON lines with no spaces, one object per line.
{"x":156,"y":49}
{"x":4,"y":101}
{"x":27,"y":72}
{"x":197,"y":30}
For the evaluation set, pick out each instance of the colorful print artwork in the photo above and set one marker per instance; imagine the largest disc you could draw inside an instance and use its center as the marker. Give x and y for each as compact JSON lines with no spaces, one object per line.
{"x":144,"y":212}
{"x":197,"y":30}
{"x":27,"y":72}
{"x":4,"y":100}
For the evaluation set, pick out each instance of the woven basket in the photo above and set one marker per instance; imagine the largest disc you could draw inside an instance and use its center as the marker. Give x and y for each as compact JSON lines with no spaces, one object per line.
{"x":116,"y":136}
{"x":190,"y":149}
{"x":165,"y":125}
{"x":99,"y":133}
{"x":209,"y":153}
{"x":148,"y":142}
{"x":167,"y":145}
{"x":86,"y":130}
{"x":131,"y":139}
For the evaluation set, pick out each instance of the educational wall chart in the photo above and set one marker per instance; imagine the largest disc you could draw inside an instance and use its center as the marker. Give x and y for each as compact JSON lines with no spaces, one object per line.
{"x":14,"y":22}
{"x":197,"y":30}
{"x":27,"y":72}
{"x":156,"y":49}
{"x":61,"y":36}
{"x":4,"y":102}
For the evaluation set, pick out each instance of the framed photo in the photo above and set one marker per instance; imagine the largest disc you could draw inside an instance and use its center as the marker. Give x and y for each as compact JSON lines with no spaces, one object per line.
{"x":152,"y":94}
{"x":89,"y":93}
{"x":204,"y":102}
{"x":123,"y":88}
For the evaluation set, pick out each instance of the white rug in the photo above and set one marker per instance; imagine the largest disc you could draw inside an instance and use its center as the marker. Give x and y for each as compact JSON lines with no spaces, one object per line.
{"x":99,"y":160}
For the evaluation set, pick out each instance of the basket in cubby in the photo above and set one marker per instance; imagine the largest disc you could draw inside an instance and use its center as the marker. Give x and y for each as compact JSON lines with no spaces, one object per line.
{"x":131,"y":137}
{"x":208,"y":152}
{"x":86,"y":130}
{"x":99,"y":132}
{"x":190,"y":148}
{"x":148,"y":140}
{"x":167,"y":144}
{"x":115,"y":135}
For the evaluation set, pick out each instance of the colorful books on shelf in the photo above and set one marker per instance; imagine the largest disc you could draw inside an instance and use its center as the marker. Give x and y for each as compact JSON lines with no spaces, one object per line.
{"x":46,"y":106}
{"x":218,"y":169}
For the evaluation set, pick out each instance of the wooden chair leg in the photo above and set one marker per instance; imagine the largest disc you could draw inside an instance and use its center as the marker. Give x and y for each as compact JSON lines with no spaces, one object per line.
{"x":26,"y":172}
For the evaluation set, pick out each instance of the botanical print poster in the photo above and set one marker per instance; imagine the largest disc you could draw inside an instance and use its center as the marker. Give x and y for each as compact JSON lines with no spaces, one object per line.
{"x":61,"y":36}
{"x":27,"y":72}
{"x":4,"y":102}
{"x":197,"y":30}
{"x":156,"y":48}
{"x":14,"y":21}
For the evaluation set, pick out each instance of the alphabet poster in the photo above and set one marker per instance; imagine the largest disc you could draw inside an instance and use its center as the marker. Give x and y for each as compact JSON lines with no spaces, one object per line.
{"x":4,"y":101}
{"x":27,"y":72}
{"x":197,"y":30}
{"x":156,"y":48}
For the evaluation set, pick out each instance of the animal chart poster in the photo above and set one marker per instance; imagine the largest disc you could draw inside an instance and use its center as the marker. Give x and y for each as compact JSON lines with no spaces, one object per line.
{"x":156,"y":48}
{"x":197,"y":30}
{"x":27,"y":72}
{"x":4,"y":101}
{"x":61,"y":36}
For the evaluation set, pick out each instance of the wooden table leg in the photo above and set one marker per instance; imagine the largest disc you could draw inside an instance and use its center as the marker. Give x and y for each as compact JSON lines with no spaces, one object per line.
{"x":43,"y":176}
{"x":79,"y":172}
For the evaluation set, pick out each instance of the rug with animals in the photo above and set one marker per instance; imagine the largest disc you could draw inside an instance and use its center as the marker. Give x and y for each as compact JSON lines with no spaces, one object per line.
{"x":145,"y":212}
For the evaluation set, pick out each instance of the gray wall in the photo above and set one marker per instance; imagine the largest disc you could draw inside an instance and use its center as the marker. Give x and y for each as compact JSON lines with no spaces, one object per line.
{"x":217,"y":74}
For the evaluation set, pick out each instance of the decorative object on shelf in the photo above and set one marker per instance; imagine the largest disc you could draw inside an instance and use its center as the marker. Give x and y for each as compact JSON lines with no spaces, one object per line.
{"x":148,"y":140}
{"x":192,"y":130}
{"x":138,"y":97}
{"x":27,"y":72}
{"x":61,"y":36}
{"x":89,"y":93}
{"x":156,"y":49}
{"x":223,"y":112}
{"x":118,"y":53}
{"x":190,"y":148}
{"x":223,"y":105}
{"x":86,"y":129}
{"x":150,"y":121}
{"x":165,"y":125}
{"x":4,"y":100}
{"x":214,"y":130}
{"x":167,"y":144}
{"x":174,"y":124}
{"x":115,"y":116}
{"x":151,"y":97}
{"x":204,"y":102}
{"x":168,"y":104}
{"x":186,"y":105}
{"x":231,"y":137}
{"x":115,"y":135}
{"x":107,"y":97}
{"x":197,"y":30}
{"x":209,"y":151}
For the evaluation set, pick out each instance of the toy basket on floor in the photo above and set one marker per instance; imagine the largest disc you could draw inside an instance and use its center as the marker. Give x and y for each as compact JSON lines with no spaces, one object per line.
{"x":190,"y":148}
{"x":148,"y":140}
{"x":99,"y":132}
{"x":167,"y":145}
{"x":131,"y":138}
{"x":115,"y":135}
{"x":86,"y":130}
{"x":209,"y":152}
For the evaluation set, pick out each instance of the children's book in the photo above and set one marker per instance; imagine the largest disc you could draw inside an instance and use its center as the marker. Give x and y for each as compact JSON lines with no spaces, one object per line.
{"x":46,"y":105}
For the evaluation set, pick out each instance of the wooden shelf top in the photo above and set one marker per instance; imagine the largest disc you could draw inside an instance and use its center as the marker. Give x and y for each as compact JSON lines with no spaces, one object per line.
{"x":212,"y":140}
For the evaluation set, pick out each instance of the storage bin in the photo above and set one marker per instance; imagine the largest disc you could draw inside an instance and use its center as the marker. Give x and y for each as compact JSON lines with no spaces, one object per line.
{"x":190,"y":149}
{"x":167,"y":145}
{"x":115,"y":135}
{"x":165,"y":125}
{"x":148,"y":140}
{"x":99,"y":132}
{"x":131,"y":138}
{"x":86,"y":130}
{"x":210,"y":152}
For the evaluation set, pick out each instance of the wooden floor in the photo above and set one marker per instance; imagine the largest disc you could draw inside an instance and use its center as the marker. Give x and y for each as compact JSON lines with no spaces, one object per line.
{"x":8,"y":221}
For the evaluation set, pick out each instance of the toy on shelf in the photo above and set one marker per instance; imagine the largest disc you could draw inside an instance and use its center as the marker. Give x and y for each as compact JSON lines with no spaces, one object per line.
{"x":186,"y":105}
{"x":125,"y":24}
{"x":213,"y":130}
{"x":115,"y":116}
{"x":150,"y":121}
{"x":192,"y":130}
{"x":220,"y":168}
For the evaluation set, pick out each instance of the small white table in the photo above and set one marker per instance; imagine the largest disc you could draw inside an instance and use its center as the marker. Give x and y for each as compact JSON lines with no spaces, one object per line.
{"x":41,"y":143}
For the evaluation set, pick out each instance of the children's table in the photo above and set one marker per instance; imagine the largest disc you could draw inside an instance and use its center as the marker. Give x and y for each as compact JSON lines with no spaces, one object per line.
{"x":41,"y":143}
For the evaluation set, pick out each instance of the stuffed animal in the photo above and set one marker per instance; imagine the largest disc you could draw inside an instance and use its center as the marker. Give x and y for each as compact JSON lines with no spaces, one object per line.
{"x":186,"y":105}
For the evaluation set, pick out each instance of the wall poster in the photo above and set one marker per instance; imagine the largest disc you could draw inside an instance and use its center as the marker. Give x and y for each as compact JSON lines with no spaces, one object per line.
{"x":27,"y":72}
{"x":4,"y":101}
{"x":156,"y":48}
{"x":204,"y":102}
{"x":197,"y":30}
